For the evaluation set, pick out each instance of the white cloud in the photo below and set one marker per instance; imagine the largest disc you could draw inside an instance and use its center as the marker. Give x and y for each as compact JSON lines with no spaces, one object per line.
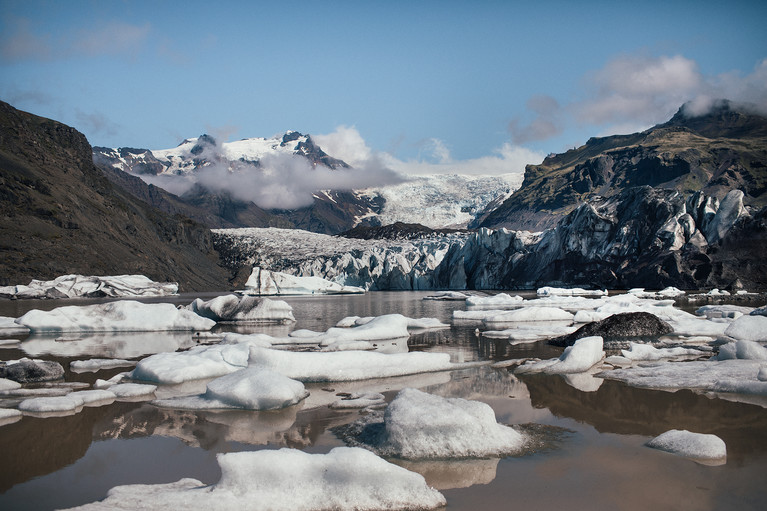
{"x":347,"y":144}
{"x":636,"y":92}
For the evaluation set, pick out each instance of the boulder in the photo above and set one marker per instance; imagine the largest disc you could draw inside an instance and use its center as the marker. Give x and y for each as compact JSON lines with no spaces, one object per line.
{"x":31,"y":371}
{"x":627,"y":325}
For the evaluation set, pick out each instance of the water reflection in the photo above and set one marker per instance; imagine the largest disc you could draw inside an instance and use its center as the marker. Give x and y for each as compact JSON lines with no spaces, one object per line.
{"x":103,"y":345}
{"x":449,"y":474}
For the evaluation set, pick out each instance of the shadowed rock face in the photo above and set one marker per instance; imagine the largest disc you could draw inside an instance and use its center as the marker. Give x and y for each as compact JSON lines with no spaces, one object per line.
{"x":714,"y":153}
{"x":628,"y":325}
{"x":60,"y":215}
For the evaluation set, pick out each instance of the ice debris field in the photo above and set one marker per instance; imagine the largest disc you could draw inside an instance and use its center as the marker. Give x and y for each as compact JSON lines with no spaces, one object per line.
{"x":718,"y":349}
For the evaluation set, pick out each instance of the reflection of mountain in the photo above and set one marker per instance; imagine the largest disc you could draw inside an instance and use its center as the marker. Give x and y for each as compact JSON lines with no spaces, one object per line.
{"x":36,"y":447}
{"x":616,"y":408}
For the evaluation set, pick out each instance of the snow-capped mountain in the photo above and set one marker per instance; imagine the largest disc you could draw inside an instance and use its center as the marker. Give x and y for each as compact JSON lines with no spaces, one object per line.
{"x":437,"y":201}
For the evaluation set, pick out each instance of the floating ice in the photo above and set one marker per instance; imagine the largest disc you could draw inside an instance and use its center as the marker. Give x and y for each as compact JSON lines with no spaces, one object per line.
{"x":417,"y":425}
{"x":197,"y":363}
{"x":348,"y":366}
{"x":75,"y":286}
{"x":97,"y":364}
{"x":254,"y":388}
{"x":723,"y":311}
{"x":748,"y":328}
{"x":119,"y":316}
{"x":690,"y":445}
{"x":733,"y":376}
{"x":531,"y":314}
{"x":745,"y":350}
{"x":96,"y":397}
{"x":637,"y":352}
{"x":265,"y":282}
{"x":9,"y":415}
{"x":578,"y":358}
{"x":447,"y":295}
{"x":6,"y":384}
{"x":575,"y":291}
{"x":501,"y":300}
{"x":67,"y":403}
{"x":346,"y":478}
{"x":356,"y":400}
{"x":669,"y":292}
{"x":8,"y":326}
{"x":132,"y":390}
{"x":531,"y":332}
{"x":243,"y":309}
{"x":476,"y":315}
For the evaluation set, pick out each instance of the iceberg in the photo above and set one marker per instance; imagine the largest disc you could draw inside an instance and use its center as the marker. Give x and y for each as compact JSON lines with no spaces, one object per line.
{"x":119,"y":316}
{"x":8,"y":326}
{"x":97,"y":364}
{"x":501,"y":300}
{"x":690,"y":445}
{"x":265,"y":282}
{"x":530,"y":314}
{"x":195,"y":364}
{"x":77,"y":286}
{"x":347,"y":478}
{"x":348,"y":366}
{"x":254,"y":388}
{"x":749,"y":328}
{"x":245,"y":309}
{"x":578,"y":358}
{"x":575,"y":291}
{"x":418,"y":425}
{"x":646,"y":352}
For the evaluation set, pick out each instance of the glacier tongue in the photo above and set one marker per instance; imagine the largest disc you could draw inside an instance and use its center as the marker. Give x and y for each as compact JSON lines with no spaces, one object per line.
{"x":643,"y":237}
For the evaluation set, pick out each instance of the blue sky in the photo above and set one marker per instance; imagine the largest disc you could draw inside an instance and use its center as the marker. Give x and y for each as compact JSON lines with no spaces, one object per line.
{"x":449,"y":84}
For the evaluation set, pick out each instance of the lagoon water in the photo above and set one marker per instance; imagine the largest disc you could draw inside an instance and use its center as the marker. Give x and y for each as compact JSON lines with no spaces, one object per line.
{"x":593,"y":456}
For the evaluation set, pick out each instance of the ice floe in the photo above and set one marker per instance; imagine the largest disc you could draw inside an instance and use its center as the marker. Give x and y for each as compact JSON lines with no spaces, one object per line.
{"x":742,"y":349}
{"x":749,"y":328}
{"x":447,"y":295}
{"x":575,"y":291}
{"x":418,"y":425}
{"x":253,"y":388}
{"x":97,"y":364}
{"x":76,"y":286}
{"x":132,"y":390}
{"x":265,"y":282}
{"x":501,"y":300}
{"x":243,"y":309}
{"x":9,"y":416}
{"x":647,"y":352}
{"x":347,"y":478}
{"x":578,"y":358}
{"x":67,"y":403}
{"x":530,"y":314}
{"x":119,"y":316}
{"x":8,"y":326}
{"x":194,"y":364}
{"x":359,"y":400}
{"x":727,"y":376}
{"x":349,"y":366}
{"x":6,"y":384}
{"x":531,"y":333}
{"x":697,"y":446}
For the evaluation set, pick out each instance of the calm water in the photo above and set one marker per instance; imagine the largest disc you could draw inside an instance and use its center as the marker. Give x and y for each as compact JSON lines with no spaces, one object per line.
{"x":598,"y":462}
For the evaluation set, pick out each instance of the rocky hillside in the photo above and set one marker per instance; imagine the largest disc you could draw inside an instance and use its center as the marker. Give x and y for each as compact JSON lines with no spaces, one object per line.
{"x":714,"y":153}
{"x":61,"y":215}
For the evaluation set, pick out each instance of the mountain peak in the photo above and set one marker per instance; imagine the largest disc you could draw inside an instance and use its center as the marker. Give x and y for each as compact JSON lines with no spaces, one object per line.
{"x":721,"y":118}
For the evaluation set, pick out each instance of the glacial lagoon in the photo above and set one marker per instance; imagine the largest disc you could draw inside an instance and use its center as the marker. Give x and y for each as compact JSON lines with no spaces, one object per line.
{"x":590,"y":453}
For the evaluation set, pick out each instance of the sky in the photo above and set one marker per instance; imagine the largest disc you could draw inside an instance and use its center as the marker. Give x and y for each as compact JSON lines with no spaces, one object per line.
{"x":480,"y":87}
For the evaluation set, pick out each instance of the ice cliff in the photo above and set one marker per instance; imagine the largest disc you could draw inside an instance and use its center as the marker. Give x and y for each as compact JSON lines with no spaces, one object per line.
{"x":642,"y":237}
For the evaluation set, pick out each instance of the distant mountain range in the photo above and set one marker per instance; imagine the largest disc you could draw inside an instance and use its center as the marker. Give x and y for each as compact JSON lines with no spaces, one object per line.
{"x":438,"y":201}
{"x":722,"y":150}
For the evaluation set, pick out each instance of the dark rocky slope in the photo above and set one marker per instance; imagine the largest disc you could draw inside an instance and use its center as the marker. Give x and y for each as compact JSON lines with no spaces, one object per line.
{"x":713,"y":153}
{"x":61,"y":215}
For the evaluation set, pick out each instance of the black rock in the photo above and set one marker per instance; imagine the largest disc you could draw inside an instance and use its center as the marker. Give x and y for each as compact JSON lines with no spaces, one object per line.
{"x":618,"y":326}
{"x":31,"y":371}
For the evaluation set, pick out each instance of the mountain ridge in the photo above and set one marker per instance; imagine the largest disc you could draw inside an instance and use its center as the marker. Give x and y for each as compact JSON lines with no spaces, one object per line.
{"x":713,"y":153}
